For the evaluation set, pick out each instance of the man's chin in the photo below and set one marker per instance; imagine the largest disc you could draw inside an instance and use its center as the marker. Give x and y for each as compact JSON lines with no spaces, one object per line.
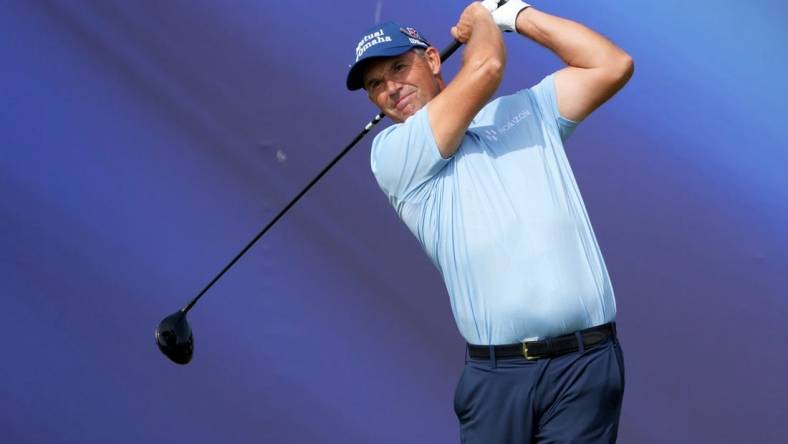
{"x":397,"y":118}
{"x":403,"y":116}
{"x":400,"y":116}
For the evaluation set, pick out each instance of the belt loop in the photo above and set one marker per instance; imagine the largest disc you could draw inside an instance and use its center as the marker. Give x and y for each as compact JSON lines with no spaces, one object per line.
{"x":615,"y":331}
{"x":467,"y":351}
{"x":580,"y":345}
{"x":493,"y":363}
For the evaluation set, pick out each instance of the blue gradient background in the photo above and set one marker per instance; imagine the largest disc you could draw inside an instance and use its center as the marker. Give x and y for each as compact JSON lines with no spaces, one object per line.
{"x":143,"y":143}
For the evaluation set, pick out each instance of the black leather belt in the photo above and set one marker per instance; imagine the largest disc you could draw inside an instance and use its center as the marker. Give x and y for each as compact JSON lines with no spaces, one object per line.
{"x":546,"y":348}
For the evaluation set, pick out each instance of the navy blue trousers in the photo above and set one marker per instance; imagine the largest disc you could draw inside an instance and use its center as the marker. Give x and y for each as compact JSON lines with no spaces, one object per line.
{"x":573,"y":398}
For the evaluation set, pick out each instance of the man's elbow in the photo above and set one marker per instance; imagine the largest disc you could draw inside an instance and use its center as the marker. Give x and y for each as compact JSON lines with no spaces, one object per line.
{"x":616,"y":71}
{"x":494,"y":67}
{"x":623,"y":68}
{"x":489,"y":69}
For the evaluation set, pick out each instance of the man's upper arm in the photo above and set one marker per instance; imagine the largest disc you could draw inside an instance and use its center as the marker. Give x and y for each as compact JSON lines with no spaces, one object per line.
{"x":405,"y":156}
{"x":451,"y":111}
{"x":579,"y":91}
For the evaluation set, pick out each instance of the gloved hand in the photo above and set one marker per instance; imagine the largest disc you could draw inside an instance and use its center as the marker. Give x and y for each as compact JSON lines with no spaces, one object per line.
{"x":505,"y":16}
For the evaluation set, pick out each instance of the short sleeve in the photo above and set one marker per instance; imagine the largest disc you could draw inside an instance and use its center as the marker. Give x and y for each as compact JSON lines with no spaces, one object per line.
{"x":544,"y":94}
{"x":404,"y":156}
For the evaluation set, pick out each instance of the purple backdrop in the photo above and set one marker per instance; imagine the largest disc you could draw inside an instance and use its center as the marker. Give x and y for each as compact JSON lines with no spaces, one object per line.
{"x":143,"y":143}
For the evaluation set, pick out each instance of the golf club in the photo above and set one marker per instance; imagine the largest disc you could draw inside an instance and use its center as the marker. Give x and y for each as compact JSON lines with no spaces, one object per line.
{"x":173,"y":334}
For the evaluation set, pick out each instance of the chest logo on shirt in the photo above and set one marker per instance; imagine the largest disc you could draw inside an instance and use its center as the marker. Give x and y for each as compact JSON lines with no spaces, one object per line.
{"x":492,"y":134}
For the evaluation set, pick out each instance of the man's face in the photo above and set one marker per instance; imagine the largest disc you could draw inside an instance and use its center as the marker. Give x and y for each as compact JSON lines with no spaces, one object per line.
{"x":401,"y":85}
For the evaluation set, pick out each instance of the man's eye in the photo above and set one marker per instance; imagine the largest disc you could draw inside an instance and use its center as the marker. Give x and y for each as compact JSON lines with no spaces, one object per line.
{"x":399,"y":67}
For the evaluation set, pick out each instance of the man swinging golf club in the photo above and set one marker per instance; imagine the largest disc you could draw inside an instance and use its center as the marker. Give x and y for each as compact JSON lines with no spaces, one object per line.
{"x":487,"y":190}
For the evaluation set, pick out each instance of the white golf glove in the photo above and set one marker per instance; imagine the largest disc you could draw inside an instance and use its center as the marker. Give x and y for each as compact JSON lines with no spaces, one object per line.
{"x":505,"y":16}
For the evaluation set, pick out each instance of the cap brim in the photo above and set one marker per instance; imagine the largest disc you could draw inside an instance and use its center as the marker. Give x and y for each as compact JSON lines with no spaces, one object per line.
{"x":354,"y":77}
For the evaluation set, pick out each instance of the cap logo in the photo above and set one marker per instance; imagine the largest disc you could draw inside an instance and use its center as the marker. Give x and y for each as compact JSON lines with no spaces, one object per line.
{"x":412,"y":33}
{"x":371,"y":40}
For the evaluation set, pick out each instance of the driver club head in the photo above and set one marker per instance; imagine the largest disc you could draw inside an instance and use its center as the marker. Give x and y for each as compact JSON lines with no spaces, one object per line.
{"x":174,"y":338}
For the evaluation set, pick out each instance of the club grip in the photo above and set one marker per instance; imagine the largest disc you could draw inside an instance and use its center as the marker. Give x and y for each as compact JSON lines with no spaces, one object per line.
{"x":449,"y":50}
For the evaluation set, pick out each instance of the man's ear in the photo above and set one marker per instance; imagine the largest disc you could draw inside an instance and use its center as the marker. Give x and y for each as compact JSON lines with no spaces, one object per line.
{"x":433,"y":59}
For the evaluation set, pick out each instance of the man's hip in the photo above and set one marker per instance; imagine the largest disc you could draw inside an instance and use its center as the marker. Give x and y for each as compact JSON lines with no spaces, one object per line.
{"x":570,"y":396}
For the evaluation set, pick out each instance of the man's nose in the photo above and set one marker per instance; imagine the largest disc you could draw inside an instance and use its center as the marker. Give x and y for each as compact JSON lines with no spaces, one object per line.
{"x":392,"y":86}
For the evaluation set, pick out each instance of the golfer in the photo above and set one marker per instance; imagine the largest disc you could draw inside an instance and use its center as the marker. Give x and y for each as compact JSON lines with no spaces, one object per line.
{"x":486,"y":188}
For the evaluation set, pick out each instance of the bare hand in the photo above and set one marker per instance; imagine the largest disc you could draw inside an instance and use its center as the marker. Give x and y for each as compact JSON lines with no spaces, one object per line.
{"x":464,"y":28}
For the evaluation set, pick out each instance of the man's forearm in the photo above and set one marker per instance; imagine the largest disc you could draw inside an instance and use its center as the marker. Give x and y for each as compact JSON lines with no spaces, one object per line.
{"x":483,"y":62}
{"x":574,"y":43}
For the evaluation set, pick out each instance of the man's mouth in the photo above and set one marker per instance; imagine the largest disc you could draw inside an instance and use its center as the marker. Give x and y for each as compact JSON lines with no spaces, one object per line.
{"x":402,"y":102}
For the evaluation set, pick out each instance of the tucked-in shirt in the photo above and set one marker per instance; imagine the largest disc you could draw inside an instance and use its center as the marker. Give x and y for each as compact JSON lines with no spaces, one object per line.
{"x":502,"y":219}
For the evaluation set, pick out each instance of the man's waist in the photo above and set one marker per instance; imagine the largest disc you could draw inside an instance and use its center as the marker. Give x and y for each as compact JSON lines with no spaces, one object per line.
{"x":487,"y":322}
{"x":547,"y":347}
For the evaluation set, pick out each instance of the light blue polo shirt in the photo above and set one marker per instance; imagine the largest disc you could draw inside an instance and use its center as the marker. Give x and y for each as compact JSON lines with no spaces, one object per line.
{"x":502,"y":220}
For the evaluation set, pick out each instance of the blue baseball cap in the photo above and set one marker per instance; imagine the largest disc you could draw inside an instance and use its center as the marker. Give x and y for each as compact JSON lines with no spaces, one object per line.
{"x":383,"y":40}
